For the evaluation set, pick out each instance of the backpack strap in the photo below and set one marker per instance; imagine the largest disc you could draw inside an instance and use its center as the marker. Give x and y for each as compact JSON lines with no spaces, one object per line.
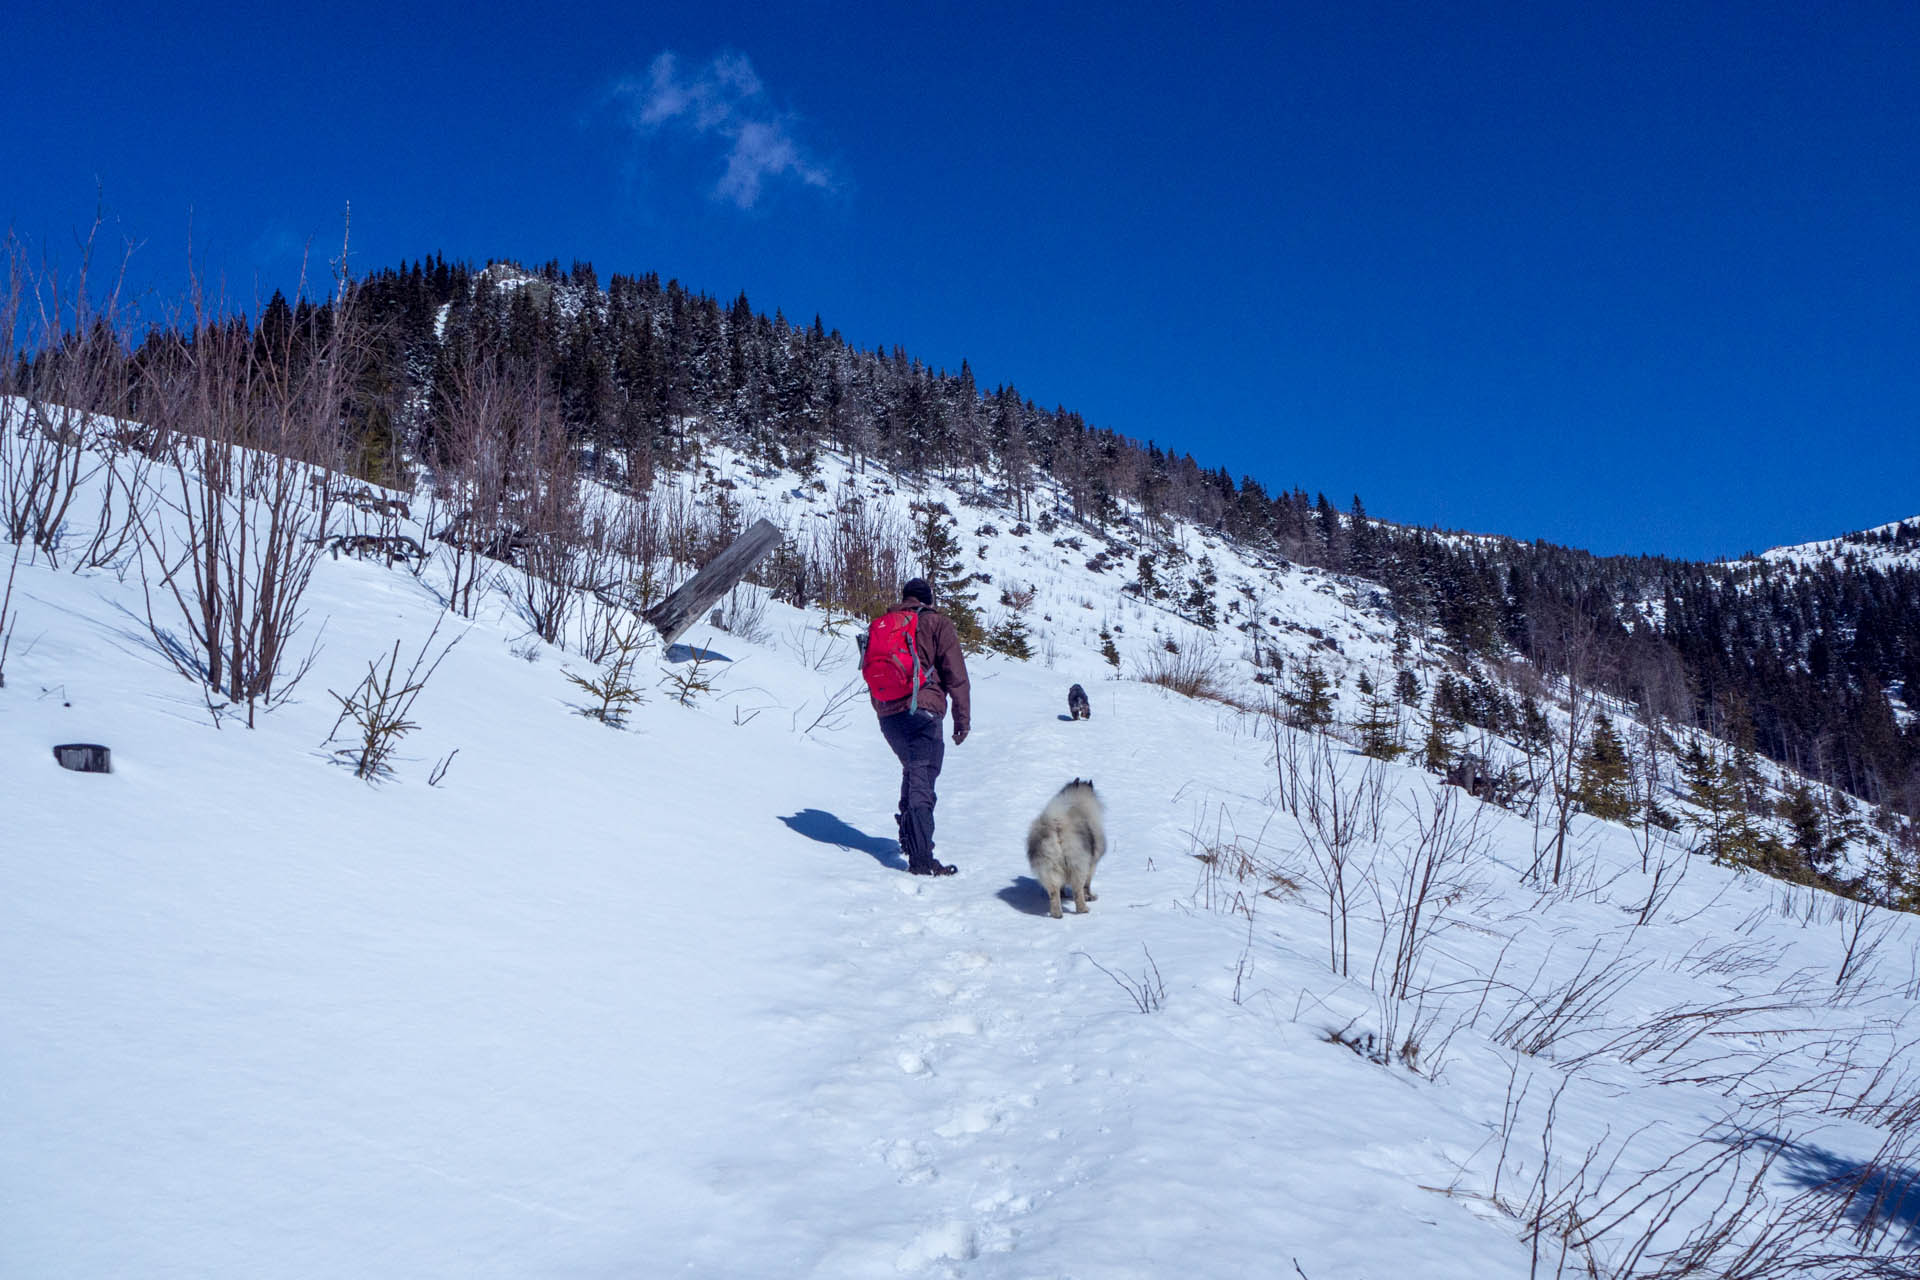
{"x":913,"y":707}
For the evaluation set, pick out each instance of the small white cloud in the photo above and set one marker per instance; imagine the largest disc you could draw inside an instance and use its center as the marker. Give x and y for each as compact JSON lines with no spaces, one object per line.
{"x":724,"y":100}
{"x":760,"y":151}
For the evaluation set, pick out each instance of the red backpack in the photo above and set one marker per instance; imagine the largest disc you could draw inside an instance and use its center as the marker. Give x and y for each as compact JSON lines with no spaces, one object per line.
{"x":892,"y":662}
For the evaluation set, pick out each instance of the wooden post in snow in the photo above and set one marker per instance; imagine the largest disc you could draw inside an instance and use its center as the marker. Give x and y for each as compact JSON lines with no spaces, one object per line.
{"x":672,"y":616}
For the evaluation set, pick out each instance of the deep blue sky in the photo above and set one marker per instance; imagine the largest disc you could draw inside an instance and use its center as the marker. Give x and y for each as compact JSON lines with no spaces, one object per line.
{"x":1633,"y":277}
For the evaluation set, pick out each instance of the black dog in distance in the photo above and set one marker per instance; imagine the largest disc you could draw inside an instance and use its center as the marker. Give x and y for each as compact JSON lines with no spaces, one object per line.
{"x":1077,"y":706}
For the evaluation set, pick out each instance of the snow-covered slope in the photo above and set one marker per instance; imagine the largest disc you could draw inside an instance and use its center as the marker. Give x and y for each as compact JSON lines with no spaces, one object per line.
{"x":1889,"y":546}
{"x":662,"y":999}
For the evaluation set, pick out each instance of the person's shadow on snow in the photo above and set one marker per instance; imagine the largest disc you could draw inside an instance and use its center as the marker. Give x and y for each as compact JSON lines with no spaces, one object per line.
{"x":1025,"y":895}
{"x":818,"y":824}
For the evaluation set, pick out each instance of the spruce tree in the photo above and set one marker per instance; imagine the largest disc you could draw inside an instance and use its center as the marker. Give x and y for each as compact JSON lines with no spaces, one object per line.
{"x":1309,"y":697}
{"x":1436,"y":748}
{"x":1379,"y":725}
{"x":936,"y":539}
{"x":1009,"y":635}
{"x":1200,"y":606}
{"x":1802,"y":816}
{"x":1149,"y":580}
{"x":1604,"y":788}
{"x":1727,"y":832}
{"x":1200,"y":603}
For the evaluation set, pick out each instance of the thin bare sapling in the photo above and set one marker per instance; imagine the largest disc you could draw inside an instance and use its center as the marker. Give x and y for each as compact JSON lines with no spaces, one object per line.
{"x":9,"y":616}
{"x":1336,"y":805}
{"x":1428,"y":873}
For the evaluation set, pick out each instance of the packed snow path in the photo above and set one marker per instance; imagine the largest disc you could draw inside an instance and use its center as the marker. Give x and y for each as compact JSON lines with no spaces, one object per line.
{"x":995,"y":1092}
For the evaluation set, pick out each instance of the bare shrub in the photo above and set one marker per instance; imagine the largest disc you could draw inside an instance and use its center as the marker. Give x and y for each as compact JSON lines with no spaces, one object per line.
{"x":1148,"y":990}
{"x":1583,"y":1212}
{"x":1875,"y":1201}
{"x":77,"y":378}
{"x":126,"y":497}
{"x":1335,"y":801}
{"x":614,"y":568}
{"x":252,"y":419}
{"x":745,"y":613}
{"x":833,"y":709}
{"x":1411,"y":1033}
{"x":636,"y":539}
{"x":379,"y":707}
{"x":1236,"y":869}
{"x":1537,"y":1020}
{"x":1194,"y":672}
{"x":480,"y":404}
{"x":1664,"y":1035}
{"x":817,"y":648}
{"x":1670,"y":863}
{"x":855,"y":567}
{"x":1704,"y":1212}
{"x":1431,"y":873}
{"x":1653,"y":827}
{"x":681,"y":534}
{"x":1884,"y":1090}
{"x":1863,"y":929}
{"x":544,"y":505}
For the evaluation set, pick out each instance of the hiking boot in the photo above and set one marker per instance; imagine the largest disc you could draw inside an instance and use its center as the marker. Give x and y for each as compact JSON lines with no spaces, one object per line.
{"x":936,"y":869}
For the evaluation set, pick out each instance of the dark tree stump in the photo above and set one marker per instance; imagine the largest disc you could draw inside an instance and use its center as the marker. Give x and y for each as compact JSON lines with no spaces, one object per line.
{"x":84,"y":757}
{"x":672,"y":616}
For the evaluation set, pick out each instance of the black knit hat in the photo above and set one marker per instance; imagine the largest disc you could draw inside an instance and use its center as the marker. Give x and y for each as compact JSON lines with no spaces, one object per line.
{"x":917,"y":589}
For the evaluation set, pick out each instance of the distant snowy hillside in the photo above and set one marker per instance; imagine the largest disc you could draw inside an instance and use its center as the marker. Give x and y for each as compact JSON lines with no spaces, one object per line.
{"x":1888,"y":546}
{"x":558,"y":998}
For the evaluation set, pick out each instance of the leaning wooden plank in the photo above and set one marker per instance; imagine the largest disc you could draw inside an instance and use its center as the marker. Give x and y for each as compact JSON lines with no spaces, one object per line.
{"x":672,"y":616}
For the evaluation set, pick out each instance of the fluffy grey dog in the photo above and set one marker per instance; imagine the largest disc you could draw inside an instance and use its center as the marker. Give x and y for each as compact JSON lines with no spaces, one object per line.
{"x":1066,"y":842}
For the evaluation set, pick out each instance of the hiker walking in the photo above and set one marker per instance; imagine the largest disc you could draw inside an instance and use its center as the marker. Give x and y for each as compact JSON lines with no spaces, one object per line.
{"x":913,"y":668}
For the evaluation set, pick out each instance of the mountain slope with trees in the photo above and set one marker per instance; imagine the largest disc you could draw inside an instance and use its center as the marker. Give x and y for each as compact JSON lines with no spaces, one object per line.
{"x":1806,"y":661}
{"x":510,"y":386}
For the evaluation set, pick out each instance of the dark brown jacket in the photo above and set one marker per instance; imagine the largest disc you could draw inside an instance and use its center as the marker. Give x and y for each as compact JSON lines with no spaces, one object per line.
{"x":940,"y":658}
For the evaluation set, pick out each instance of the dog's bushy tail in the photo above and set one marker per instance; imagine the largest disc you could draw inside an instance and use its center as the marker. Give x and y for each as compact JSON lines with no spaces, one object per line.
{"x":1045,"y":847}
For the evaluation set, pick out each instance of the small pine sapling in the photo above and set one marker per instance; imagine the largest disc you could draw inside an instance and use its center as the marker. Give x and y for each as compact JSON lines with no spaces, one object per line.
{"x":379,"y":707}
{"x":611,"y":687}
{"x":1010,"y":635}
{"x":690,"y":680}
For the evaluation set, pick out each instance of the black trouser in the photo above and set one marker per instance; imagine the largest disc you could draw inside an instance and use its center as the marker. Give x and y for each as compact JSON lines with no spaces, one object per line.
{"x":915,"y":739}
